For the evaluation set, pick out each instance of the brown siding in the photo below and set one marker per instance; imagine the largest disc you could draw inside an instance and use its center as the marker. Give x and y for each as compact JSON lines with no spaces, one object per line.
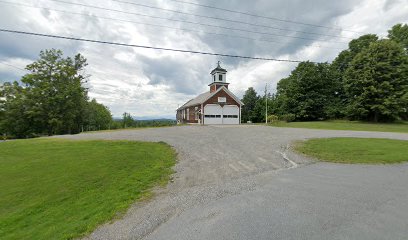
{"x":191,"y":115}
{"x":222,"y":93}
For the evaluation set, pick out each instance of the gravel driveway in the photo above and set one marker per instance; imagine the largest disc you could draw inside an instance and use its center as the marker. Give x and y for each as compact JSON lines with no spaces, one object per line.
{"x":243,"y":182}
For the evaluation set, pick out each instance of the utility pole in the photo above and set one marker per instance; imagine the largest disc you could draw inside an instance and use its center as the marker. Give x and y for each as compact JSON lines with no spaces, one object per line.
{"x":266,"y":103}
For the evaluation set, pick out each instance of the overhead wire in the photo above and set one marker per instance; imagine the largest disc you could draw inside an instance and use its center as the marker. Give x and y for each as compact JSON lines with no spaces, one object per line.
{"x":10,"y":65}
{"x":161,"y":26}
{"x":198,"y":23}
{"x":211,"y":17}
{"x":147,"y":47}
{"x":264,"y":17}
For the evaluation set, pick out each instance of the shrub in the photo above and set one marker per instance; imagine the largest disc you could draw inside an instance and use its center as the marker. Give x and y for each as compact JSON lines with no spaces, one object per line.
{"x":273,"y":118}
{"x":290,"y":117}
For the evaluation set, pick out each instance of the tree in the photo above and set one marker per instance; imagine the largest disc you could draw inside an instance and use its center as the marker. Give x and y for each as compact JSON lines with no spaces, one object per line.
{"x":338,"y":68}
{"x":377,"y":82}
{"x":308,"y":92}
{"x":50,"y":100}
{"x":399,"y":34}
{"x":127,"y":120}
{"x":250,"y":98}
{"x":14,"y":112}
{"x":98,"y":116}
{"x":258,"y":113}
{"x":55,"y":94}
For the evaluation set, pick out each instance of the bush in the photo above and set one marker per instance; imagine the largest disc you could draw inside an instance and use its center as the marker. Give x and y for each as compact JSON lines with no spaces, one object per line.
{"x":290,"y":117}
{"x":273,"y":118}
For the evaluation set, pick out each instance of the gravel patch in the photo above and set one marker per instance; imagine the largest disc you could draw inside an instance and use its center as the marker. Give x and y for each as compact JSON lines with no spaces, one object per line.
{"x":215,"y":163}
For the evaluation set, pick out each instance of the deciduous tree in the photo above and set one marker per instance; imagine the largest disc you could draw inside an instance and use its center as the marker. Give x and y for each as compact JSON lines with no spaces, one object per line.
{"x":399,"y":34}
{"x":377,"y":82}
{"x":249,"y":99}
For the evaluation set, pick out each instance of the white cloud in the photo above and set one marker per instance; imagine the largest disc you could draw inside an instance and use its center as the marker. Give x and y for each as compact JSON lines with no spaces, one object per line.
{"x":146,"y":82}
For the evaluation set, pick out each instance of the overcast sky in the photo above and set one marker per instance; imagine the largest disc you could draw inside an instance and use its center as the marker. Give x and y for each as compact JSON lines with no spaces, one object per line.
{"x":153,"y":83}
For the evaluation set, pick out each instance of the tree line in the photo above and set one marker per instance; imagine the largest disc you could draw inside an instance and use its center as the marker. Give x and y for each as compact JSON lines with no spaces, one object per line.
{"x":367,"y":82}
{"x":52,"y":99}
{"x":128,"y":121}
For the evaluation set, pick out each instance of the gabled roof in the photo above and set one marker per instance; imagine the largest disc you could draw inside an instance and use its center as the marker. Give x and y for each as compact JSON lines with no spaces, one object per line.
{"x":197,"y":100}
{"x":200,"y":99}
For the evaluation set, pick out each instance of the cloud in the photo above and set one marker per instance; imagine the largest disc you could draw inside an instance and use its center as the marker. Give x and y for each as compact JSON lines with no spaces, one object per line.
{"x":146,"y":82}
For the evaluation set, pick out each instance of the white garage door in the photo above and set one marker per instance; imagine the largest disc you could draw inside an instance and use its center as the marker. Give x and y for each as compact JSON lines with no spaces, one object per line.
{"x":230,"y":114}
{"x":215,"y":114}
{"x":212,"y":114}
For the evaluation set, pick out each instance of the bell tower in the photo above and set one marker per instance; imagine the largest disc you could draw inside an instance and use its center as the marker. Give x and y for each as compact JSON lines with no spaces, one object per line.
{"x":218,"y":77}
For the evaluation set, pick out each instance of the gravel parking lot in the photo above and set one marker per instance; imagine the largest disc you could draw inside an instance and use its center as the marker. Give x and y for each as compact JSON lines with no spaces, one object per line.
{"x":243,"y":182}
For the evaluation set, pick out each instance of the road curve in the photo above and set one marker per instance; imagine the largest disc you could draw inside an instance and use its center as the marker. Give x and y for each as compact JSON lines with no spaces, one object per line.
{"x":244,"y":182}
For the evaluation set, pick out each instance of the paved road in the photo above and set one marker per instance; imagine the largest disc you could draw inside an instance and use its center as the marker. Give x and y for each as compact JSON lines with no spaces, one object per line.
{"x":243,"y":182}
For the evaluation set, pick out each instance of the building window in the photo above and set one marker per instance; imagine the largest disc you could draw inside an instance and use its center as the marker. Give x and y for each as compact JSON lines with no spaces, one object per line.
{"x":188,"y":114}
{"x":196,"y":113}
{"x":220,"y":77}
{"x":212,"y":116}
{"x":214,"y":78}
{"x":222,"y":99}
{"x":230,"y":116}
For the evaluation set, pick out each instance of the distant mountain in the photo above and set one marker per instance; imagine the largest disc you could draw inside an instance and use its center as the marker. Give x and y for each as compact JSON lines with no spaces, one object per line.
{"x":151,"y":118}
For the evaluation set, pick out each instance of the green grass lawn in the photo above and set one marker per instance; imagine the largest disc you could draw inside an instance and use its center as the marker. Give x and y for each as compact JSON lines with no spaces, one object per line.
{"x":355,"y":150}
{"x":347,"y":125}
{"x":62,"y":189}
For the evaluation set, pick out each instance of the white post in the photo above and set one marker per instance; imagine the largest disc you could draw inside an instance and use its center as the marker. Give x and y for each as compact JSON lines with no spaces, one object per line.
{"x":266,"y":104}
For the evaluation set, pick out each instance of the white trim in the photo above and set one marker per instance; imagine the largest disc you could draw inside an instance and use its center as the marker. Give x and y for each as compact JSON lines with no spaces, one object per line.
{"x":188,"y":114}
{"x":202,"y":114}
{"x":228,"y":92}
{"x":240,"y":108}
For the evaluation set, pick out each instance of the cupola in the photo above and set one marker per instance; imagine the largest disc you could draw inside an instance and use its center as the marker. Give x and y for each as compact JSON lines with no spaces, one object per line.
{"x":218,"y":77}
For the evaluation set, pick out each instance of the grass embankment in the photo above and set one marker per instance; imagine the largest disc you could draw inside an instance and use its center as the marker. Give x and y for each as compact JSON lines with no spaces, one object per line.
{"x":355,"y":150}
{"x":62,"y":189}
{"x":347,"y":125}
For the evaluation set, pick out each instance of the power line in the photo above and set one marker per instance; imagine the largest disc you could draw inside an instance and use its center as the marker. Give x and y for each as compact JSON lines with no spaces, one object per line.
{"x":222,"y":19}
{"x":147,"y":47}
{"x":160,"y":26}
{"x":202,"y":24}
{"x":22,"y":69}
{"x":264,"y":17}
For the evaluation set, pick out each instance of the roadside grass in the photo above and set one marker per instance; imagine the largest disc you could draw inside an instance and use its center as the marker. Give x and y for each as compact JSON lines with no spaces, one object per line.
{"x":355,"y":150}
{"x":346,"y":125}
{"x":129,"y":129}
{"x":63,"y":189}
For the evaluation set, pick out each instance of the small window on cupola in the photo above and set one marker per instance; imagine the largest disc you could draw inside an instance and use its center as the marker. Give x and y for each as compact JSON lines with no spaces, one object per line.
{"x":220,"y":77}
{"x":214,"y":78}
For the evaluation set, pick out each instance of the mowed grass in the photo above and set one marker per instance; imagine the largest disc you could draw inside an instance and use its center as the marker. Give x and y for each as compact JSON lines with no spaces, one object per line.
{"x":62,"y":189}
{"x":347,"y":125}
{"x":355,"y":150}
